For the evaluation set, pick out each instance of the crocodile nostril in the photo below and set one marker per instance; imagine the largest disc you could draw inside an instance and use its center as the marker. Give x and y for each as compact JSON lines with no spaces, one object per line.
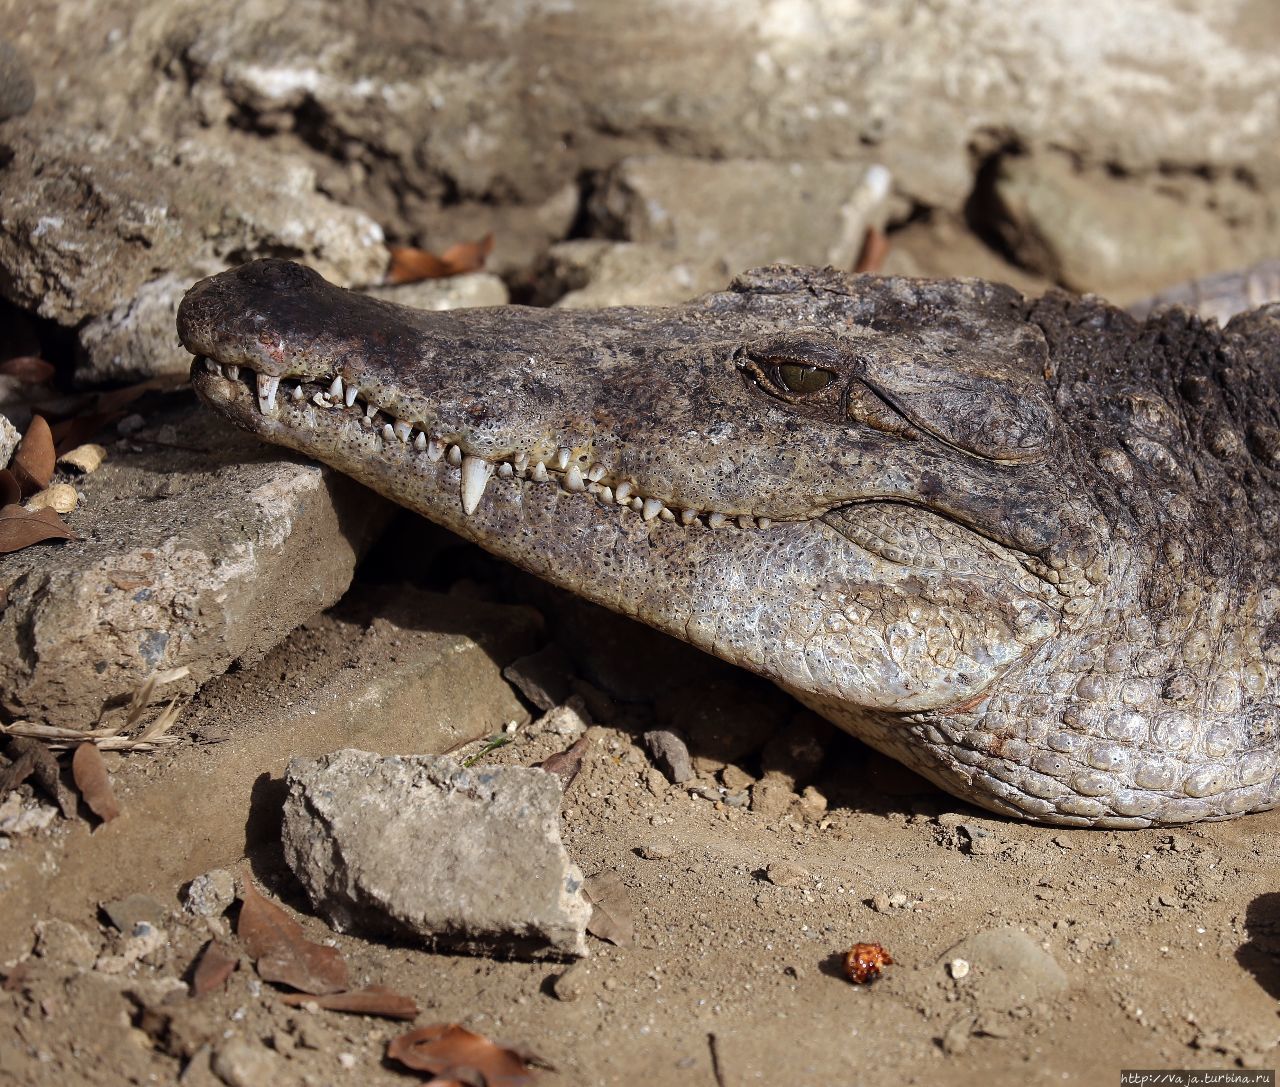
{"x":277,"y":275}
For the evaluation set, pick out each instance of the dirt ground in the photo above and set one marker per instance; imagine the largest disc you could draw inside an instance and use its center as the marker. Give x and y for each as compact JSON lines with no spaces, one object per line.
{"x":1087,"y":951}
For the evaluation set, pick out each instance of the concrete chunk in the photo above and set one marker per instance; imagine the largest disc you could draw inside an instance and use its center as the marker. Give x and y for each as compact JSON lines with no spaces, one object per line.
{"x":421,"y":849}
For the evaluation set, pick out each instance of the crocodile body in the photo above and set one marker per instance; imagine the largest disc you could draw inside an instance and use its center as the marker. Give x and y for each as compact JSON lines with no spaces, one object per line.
{"x":1025,"y":547}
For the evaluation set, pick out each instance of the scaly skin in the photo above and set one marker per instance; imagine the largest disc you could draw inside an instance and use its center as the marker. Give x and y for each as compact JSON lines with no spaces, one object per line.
{"x":1024,"y":547}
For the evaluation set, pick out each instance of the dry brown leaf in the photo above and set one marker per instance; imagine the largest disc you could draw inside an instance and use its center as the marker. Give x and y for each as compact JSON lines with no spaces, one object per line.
{"x":13,"y":775}
{"x":46,"y":772}
{"x":450,"y":1051}
{"x":612,"y":918}
{"x":216,"y":963}
{"x":94,"y":783}
{"x":29,"y":369}
{"x":281,"y":950}
{"x":10,"y":492}
{"x":32,"y":463}
{"x":566,"y":764}
{"x":21,"y":528}
{"x":373,"y":1000}
{"x":410,"y":265}
{"x":875,"y":247}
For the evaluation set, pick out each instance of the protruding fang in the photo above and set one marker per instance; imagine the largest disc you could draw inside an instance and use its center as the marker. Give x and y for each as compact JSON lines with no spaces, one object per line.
{"x":435,"y":449}
{"x":687,"y":517}
{"x":475,"y":477}
{"x":298,"y":392}
{"x":715,"y":520}
{"x":650,"y":508}
{"x":521,"y":462}
{"x":539,"y":473}
{"x":233,"y":372}
{"x":402,"y":430}
{"x":764,"y":522}
{"x":388,"y":432}
{"x":320,"y":400}
{"x":505,"y":470}
{"x":210,"y":366}
{"x":562,"y":460}
{"x":420,"y":441}
{"x":606,"y":495}
{"x":637,"y":504}
{"x":623,"y":492}
{"x":666,"y":514}
{"x":596,"y":474}
{"x":370,"y":410}
{"x":349,"y":395}
{"x":745,"y":522}
{"x":335,"y":387}
{"x":267,"y":387}
{"x":573,"y":479}
{"x":454,"y":456}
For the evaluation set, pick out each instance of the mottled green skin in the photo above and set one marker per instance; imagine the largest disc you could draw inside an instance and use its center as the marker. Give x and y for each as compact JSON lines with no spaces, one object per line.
{"x":1025,"y":547}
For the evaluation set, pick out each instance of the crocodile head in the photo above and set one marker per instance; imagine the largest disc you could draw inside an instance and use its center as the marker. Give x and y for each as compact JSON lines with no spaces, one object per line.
{"x":861,"y":488}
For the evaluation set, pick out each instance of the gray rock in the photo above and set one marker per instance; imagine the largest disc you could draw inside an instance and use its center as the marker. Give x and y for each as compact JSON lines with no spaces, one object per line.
{"x":1007,"y":970}
{"x":17,"y":87}
{"x":239,"y":1062}
{"x":210,"y":894}
{"x":742,"y":213}
{"x":85,"y":223}
{"x":10,"y":436}
{"x":126,"y":913}
{"x":421,"y":849}
{"x":452,"y":292}
{"x":671,"y":755}
{"x":587,"y":273}
{"x":542,"y":677}
{"x":188,"y":557}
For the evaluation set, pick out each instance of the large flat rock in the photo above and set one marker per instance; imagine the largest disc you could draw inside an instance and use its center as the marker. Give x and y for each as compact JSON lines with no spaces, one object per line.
{"x":427,"y":850}
{"x":204,"y":549}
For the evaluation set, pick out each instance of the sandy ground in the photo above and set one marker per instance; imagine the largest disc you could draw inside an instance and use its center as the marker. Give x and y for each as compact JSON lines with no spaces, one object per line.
{"x":1088,"y":951}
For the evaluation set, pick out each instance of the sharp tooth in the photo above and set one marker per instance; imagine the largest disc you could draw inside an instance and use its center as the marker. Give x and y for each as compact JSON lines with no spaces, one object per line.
{"x":562,"y":459}
{"x":746,"y":522}
{"x":687,"y":517}
{"x":637,"y":504}
{"x":335,"y":388}
{"x":606,"y":495}
{"x":267,"y":387}
{"x":715,"y":520}
{"x":233,"y":372}
{"x":402,"y":430}
{"x":764,"y":522}
{"x":420,"y":441}
{"x":539,"y":473}
{"x":321,"y":401}
{"x":211,"y":366}
{"x":573,"y":479}
{"x":454,"y":456}
{"x":666,"y":514}
{"x":521,"y":462}
{"x":505,"y":470}
{"x":435,"y":449}
{"x":388,"y":433}
{"x":475,"y":477}
{"x":596,"y":474}
{"x":623,"y":492}
{"x":650,"y":508}
{"x":349,"y":395}
{"x":298,"y":393}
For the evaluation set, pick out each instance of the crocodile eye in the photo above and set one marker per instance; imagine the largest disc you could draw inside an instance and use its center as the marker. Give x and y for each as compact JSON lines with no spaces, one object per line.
{"x":802,"y":380}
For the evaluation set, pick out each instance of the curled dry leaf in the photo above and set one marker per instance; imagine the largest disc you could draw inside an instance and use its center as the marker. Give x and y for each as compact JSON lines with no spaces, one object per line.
{"x":61,"y":498}
{"x":46,"y":772}
{"x":21,"y":528}
{"x":566,"y":764}
{"x":612,"y":918}
{"x":84,"y":458}
{"x":13,"y":775}
{"x":410,"y":265}
{"x":216,"y":963}
{"x":29,"y":369}
{"x":94,"y":783}
{"x":451,"y":1052}
{"x":32,"y":463}
{"x":373,"y":1000}
{"x":282,"y":952}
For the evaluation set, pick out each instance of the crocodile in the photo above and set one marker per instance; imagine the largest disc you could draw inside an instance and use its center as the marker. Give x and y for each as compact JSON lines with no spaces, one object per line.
{"x":1024,"y":546}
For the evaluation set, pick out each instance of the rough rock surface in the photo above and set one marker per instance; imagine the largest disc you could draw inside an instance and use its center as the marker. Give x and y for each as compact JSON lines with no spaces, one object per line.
{"x":421,"y":848}
{"x":196,"y":552}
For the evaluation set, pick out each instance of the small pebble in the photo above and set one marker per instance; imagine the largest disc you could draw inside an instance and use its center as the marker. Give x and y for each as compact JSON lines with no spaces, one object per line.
{"x":61,"y":498}
{"x":655,"y":851}
{"x":573,"y":983}
{"x":880,"y":902}
{"x":785,"y":874}
{"x":959,"y":968}
{"x":211,"y":894}
{"x":897,"y":900}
